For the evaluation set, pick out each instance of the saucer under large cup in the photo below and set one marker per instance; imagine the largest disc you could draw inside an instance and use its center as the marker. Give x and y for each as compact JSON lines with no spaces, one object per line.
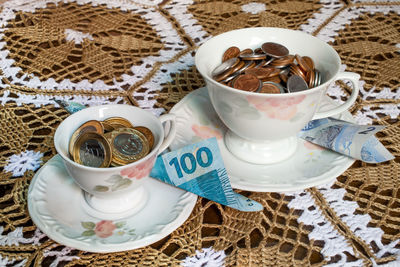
{"x":309,"y":166}
{"x":56,"y":205}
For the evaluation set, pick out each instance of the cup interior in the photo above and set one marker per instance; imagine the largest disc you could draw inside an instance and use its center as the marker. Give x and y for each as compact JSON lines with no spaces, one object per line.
{"x":137,"y":116}
{"x":326,"y":60}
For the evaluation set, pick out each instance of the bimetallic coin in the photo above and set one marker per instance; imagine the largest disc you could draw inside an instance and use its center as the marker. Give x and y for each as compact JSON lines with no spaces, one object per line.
{"x":93,"y":150}
{"x":128,"y":145}
{"x":117,"y":122}
{"x":89,"y":126}
{"x":309,"y":62}
{"x":246,"y":51}
{"x":296,"y":83}
{"x":274,"y":50}
{"x":231,"y":52}
{"x":302,"y":63}
{"x":247,"y":82}
{"x":147,"y":133}
{"x":225,"y":66}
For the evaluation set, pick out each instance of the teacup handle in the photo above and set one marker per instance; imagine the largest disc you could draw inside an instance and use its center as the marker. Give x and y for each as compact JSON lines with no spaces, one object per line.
{"x":168,"y":137}
{"x":353,"y":78}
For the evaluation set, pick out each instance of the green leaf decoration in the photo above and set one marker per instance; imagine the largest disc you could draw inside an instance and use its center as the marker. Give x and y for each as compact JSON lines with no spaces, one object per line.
{"x":114,"y":178}
{"x":88,"y":233}
{"x":225,"y":107}
{"x":249,"y":113}
{"x":100,"y":188}
{"x":120,"y":224}
{"x":124,"y":183}
{"x":132,"y":232}
{"x":88,"y":225}
{"x":240,"y":102}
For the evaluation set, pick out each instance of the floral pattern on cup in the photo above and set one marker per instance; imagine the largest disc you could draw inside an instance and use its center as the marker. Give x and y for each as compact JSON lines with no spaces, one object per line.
{"x":105,"y":228}
{"x":139,"y":171}
{"x":278,"y":108}
{"x":205,"y":132}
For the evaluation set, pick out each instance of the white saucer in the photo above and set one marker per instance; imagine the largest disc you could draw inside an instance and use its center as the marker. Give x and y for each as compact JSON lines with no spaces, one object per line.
{"x":309,"y":166}
{"x":55,"y":206}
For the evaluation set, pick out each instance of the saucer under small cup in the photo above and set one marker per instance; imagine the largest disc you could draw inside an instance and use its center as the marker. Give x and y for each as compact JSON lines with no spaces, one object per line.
{"x":58,"y":207}
{"x":310,"y":165}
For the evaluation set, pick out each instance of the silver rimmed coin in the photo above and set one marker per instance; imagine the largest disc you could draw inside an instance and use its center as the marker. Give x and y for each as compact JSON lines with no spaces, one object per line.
{"x":226,"y":65}
{"x":271,"y":88}
{"x":89,"y":126}
{"x":295,"y":83}
{"x":93,"y":150}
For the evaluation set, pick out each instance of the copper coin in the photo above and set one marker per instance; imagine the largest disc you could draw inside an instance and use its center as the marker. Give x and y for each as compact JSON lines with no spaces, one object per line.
{"x":309,"y":62}
{"x":89,"y":126}
{"x":296,"y":83}
{"x":260,"y":73}
{"x":246,"y":51}
{"x":272,"y":71}
{"x":295,"y":70}
{"x":283,"y":62}
{"x":147,"y":133}
{"x":310,"y":78}
{"x":274,"y":79}
{"x":220,"y":69}
{"x":302,"y":63}
{"x":258,"y":51}
{"x":274,"y":50}
{"x":231,"y":52}
{"x":269,"y":88}
{"x":247,"y":82}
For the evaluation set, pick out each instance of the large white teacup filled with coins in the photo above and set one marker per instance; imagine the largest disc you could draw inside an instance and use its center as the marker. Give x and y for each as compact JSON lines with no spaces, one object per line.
{"x":263,"y":126}
{"x":117,"y":191}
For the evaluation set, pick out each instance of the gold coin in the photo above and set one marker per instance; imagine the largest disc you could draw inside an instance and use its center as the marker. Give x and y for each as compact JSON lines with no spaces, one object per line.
{"x":117,"y":122}
{"x":148,"y":134}
{"x":89,"y":126}
{"x":128,"y":145}
{"x":92,"y":149}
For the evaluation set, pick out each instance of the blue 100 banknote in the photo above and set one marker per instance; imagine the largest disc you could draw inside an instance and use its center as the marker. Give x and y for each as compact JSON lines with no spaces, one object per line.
{"x":198,"y":168}
{"x":356,"y":141}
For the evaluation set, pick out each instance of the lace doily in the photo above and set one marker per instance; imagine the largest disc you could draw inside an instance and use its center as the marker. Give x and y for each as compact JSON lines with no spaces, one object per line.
{"x":141,"y":52}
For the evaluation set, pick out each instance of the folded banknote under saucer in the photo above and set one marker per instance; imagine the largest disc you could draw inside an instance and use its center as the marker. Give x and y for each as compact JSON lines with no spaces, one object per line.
{"x":57,"y":206}
{"x":311,"y":165}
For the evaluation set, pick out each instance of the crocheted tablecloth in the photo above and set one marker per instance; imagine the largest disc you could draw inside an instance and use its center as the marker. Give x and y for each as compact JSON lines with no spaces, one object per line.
{"x":142,"y":53}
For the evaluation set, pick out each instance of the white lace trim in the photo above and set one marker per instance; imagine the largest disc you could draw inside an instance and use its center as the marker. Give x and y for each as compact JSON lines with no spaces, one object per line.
{"x":207,"y":257}
{"x":16,"y":237}
{"x":366,"y":115}
{"x":358,"y":224}
{"x":39,"y":100}
{"x":168,"y":35}
{"x":27,"y":160}
{"x":328,"y":9}
{"x":7,"y":262}
{"x":76,"y":36}
{"x":162,"y":76}
{"x":254,"y":8}
{"x":330,"y":31}
{"x":60,"y":255}
{"x":191,"y":26}
{"x":334,"y":242}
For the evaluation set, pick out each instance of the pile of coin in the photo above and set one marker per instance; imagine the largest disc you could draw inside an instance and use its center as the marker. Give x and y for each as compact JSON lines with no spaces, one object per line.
{"x":109,"y":143}
{"x":267,"y":69}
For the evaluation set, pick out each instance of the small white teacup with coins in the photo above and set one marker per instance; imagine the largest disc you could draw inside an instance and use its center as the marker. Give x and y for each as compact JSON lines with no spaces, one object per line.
{"x":109,"y":152}
{"x":266,"y":84}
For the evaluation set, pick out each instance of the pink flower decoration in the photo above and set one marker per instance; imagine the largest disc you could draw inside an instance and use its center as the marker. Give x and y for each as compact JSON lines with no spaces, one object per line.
{"x":104,"y":228}
{"x":312,"y":146}
{"x":277,"y":108}
{"x":205,"y":132}
{"x":139,"y":171}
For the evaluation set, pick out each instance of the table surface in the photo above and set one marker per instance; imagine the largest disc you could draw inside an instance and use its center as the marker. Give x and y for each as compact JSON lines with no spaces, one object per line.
{"x":142,"y":53}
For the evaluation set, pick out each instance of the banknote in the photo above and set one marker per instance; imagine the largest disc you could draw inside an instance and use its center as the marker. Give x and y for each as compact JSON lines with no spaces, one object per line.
{"x":199,"y":168}
{"x":356,"y":141}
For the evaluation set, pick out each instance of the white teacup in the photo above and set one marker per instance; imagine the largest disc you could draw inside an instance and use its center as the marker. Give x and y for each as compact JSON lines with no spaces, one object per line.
{"x":263,"y":127}
{"x":114,"y":190}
